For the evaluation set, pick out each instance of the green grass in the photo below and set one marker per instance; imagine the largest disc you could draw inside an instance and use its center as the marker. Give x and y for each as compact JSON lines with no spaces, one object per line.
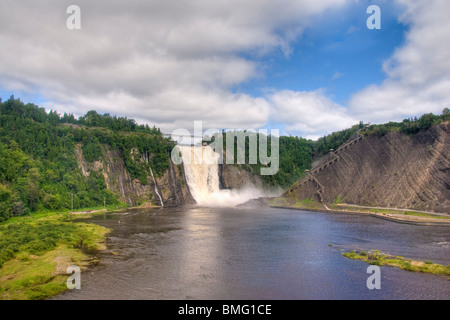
{"x":279,"y":201}
{"x":375,"y":257}
{"x":339,"y":199}
{"x":36,"y":250}
{"x":44,"y":212}
{"x":291,"y":202}
{"x":307,"y":203}
{"x":39,"y":276}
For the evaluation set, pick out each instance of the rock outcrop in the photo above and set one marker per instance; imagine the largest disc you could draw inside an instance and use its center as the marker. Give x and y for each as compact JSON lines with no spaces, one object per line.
{"x":236,"y":177}
{"x":395,"y":170}
{"x":168,"y":189}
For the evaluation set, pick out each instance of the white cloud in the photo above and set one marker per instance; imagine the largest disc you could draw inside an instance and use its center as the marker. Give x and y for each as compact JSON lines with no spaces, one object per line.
{"x":418,"y":73}
{"x":173,"y":63}
{"x":417,"y":81}
{"x":307,"y":113}
{"x":165,"y":62}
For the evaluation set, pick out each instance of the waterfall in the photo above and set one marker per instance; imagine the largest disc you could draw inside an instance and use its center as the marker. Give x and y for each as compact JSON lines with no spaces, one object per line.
{"x":156,"y":187}
{"x":154,"y":181}
{"x":201,"y":169}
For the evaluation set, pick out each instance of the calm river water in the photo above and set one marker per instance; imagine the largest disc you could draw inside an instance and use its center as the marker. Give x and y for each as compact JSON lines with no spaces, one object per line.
{"x":226,"y":253}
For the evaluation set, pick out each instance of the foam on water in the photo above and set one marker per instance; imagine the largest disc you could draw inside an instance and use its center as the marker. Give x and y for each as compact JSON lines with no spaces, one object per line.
{"x":201,"y":169}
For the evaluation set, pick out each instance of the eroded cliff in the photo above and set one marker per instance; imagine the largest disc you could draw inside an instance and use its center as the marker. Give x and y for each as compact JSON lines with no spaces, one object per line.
{"x":167,"y":189}
{"x":393,"y":170}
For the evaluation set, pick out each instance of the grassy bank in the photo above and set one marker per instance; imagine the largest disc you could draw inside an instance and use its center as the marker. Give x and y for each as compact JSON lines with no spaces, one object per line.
{"x":376,"y":257}
{"x":397,"y":212}
{"x":36,"y":250}
{"x":396,"y":215}
{"x":308,"y":204}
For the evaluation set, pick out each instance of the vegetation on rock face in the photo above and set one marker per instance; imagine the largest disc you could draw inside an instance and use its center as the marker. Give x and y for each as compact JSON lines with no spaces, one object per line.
{"x":296,"y":155}
{"x":332,"y":141}
{"x":38,"y":166}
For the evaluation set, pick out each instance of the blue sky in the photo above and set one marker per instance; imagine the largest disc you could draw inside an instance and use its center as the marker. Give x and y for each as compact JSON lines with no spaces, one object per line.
{"x":305,"y":67}
{"x":336,"y":52}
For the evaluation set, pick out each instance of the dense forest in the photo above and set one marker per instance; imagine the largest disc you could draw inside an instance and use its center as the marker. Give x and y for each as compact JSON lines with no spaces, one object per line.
{"x":295,"y":156}
{"x":38,"y":167}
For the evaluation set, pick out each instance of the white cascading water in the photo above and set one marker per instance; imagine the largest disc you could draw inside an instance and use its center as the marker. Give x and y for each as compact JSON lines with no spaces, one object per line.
{"x":154,"y":180}
{"x":202,"y":176}
{"x":156,"y":188}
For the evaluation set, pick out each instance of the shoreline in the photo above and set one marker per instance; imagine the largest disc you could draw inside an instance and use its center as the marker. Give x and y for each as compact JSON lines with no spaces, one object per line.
{"x":145,"y":205}
{"x":88,"y":211}
{"x":23,"y":259}
{"x":37,"y":269}
{"x":413,"y":221}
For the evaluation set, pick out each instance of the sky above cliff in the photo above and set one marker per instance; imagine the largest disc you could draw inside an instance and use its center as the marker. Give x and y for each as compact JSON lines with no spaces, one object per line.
{"x":307,"y":68}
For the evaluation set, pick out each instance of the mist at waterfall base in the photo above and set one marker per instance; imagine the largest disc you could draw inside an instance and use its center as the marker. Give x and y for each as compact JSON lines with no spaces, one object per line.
{"x":201,"y":169}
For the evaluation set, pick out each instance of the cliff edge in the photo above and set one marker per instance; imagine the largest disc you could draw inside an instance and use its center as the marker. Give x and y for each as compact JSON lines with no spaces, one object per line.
{"x":393,"y":170}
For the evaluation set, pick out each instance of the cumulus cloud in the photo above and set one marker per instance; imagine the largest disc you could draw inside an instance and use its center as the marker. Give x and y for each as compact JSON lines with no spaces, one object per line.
{"x":417,"y":81}
{"x":310,"y":113}
{"x":418,"y":73}
{"x":163,"y":62}
{"x":171,"y":63}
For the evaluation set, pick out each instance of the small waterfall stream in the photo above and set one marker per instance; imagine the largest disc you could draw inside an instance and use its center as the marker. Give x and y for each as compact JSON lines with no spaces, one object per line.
{"x":156,"y":187}
{"x":154,"y":181}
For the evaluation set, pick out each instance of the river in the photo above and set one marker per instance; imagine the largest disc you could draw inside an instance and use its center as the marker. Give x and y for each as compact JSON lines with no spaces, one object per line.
{"x":230,"y":253}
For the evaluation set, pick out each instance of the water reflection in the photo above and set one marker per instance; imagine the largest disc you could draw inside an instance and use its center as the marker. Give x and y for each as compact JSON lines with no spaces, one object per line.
{"x":212,"y":253}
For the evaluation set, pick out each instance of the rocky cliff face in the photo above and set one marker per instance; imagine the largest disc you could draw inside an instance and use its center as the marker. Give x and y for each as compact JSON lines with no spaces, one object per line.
{"x":394,"y":170}
{"x":236,"y":177}
{"x":169,"y":189}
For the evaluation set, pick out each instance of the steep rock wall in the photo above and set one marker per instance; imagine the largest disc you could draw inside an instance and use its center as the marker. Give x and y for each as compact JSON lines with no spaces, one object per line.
{"x":170,"y":185}
{"x":394,"y":170}
{"x":236,"y":177}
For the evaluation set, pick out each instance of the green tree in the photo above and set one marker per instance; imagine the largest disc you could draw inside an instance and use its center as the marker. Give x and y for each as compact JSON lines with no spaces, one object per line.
{"x":33,"y":188}
{"x":446,"y":114}
{"x":426,"y":121}
{"x":5,"y":208}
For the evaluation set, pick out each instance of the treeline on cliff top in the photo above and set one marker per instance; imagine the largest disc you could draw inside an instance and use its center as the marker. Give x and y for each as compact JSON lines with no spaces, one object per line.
{"x":38,"y":166}
{"x":409,"y":126}
{"x":297,"y":154}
